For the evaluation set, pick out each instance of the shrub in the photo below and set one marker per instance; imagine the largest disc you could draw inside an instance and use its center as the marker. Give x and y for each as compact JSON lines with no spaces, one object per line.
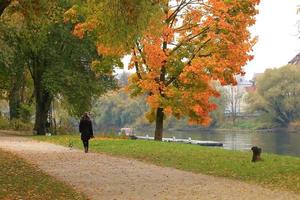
{"x":4,"y":123}
{"x":17,"y":124}
{"x":65,"y":127}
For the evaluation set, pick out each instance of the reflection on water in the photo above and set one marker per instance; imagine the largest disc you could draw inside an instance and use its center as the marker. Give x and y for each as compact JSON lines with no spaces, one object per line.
{"x":280,"y":142}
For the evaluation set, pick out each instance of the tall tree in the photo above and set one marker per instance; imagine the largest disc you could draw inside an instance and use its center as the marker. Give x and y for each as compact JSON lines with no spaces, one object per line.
{"x":59,"y":63}
{"x":12,"y":65}
{"x":193,"y":43}
{"x":183,"y":47}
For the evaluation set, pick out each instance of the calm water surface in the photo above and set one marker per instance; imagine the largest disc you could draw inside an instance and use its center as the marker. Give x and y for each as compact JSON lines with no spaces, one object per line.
{"x":280,"y":142}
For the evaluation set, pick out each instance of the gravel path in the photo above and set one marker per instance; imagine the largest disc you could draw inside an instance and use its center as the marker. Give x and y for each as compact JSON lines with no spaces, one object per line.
{"x":100,"y":176}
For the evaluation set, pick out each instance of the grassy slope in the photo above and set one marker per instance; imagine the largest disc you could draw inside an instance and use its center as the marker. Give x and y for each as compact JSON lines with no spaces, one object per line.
{"x":20,"y":180}
{"x":275,"y":171}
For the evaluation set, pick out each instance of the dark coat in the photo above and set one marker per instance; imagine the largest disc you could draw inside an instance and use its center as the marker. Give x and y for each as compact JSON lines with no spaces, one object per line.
{"x":86,"y":129}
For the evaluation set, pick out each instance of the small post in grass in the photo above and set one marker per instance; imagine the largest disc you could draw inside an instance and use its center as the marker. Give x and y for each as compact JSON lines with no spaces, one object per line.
{"x":256,"y":154}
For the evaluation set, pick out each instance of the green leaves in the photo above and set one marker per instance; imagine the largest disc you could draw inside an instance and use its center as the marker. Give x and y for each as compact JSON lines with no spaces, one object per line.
{"x":116,"y":23}
{"x":278,"y":94}
{"x":116,"y":109}
{"x":44,"y":44}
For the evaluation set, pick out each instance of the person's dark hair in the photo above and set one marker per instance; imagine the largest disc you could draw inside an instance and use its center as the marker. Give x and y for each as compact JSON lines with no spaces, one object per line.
{"x":85,"y":116}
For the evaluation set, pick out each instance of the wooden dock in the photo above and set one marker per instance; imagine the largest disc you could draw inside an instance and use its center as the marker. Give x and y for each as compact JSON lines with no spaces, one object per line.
{"x":186,"y":141}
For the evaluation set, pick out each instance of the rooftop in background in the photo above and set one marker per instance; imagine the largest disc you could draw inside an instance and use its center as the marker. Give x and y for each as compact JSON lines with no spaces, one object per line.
{"x":295,"y":60}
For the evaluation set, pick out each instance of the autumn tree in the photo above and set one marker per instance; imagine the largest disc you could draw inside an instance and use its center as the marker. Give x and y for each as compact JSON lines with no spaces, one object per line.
{"x":182,"y":49}
{"x":193,"y":43}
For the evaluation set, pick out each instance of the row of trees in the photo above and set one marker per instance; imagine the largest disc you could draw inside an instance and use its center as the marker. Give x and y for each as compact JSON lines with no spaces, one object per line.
{"x":41,"y":60}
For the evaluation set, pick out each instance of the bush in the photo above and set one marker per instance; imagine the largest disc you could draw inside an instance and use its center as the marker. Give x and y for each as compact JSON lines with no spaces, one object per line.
{"x":4,"y":123}
{"x":19,"y":125}
{"x":15,"y":124}
{"x":65,"y":127}
{"x":26,"y":112}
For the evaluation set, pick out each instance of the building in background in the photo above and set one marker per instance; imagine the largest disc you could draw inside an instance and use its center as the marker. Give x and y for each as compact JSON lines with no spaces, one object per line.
{"x":236,"y":96}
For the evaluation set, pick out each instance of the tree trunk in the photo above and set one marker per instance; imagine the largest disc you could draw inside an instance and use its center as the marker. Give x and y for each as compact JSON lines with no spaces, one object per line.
{"x":159,"y":123}
{"x":14,"y":104}
{"x":14,"y":97}
{"x":43,"y":102}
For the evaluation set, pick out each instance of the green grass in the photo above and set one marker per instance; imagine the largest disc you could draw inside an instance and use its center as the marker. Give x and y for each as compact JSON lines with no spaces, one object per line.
{"x":20,"y":180}
{"x":282,"y":172}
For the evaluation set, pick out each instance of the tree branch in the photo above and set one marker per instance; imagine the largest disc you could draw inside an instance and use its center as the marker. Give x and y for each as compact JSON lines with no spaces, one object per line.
{"x":189,"y":39}
{"x":136,"y":64}
{"x":176,"y":11}
{"x":173,"y":78}
{"x":141,"y":53}
{"x":199,"y":49}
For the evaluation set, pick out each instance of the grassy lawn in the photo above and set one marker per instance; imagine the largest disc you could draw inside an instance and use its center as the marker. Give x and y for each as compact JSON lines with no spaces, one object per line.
{"x":20,"y":180}
{"x":274,"y":172}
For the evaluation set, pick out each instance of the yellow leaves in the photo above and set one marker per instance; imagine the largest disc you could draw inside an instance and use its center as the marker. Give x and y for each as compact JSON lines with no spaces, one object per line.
{"x":133,"y":78}
{"x":169,"y":92}
{"x":71,"y":15}
{"x":81,"y":28}
{"x":95,"y":64}
{"x":150,"y":116}
{"x":100,"y":69}
{"x":90,"y":25}
{"x":109,"y":50}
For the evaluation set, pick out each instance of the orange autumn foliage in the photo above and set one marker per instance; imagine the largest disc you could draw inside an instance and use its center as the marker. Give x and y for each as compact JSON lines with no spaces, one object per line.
{"x":195,"y":43}
{"x":183,"y":50}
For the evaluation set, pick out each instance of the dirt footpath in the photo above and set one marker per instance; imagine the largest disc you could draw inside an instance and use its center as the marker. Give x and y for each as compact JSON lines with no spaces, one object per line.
{"x":100,"y":176}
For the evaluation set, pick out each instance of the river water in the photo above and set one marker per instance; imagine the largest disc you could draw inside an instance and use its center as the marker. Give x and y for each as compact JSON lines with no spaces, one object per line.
{"x":278,"y":142}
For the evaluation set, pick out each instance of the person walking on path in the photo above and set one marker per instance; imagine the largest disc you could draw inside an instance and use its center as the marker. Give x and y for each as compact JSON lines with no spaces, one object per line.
{"x":86,"y":130}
